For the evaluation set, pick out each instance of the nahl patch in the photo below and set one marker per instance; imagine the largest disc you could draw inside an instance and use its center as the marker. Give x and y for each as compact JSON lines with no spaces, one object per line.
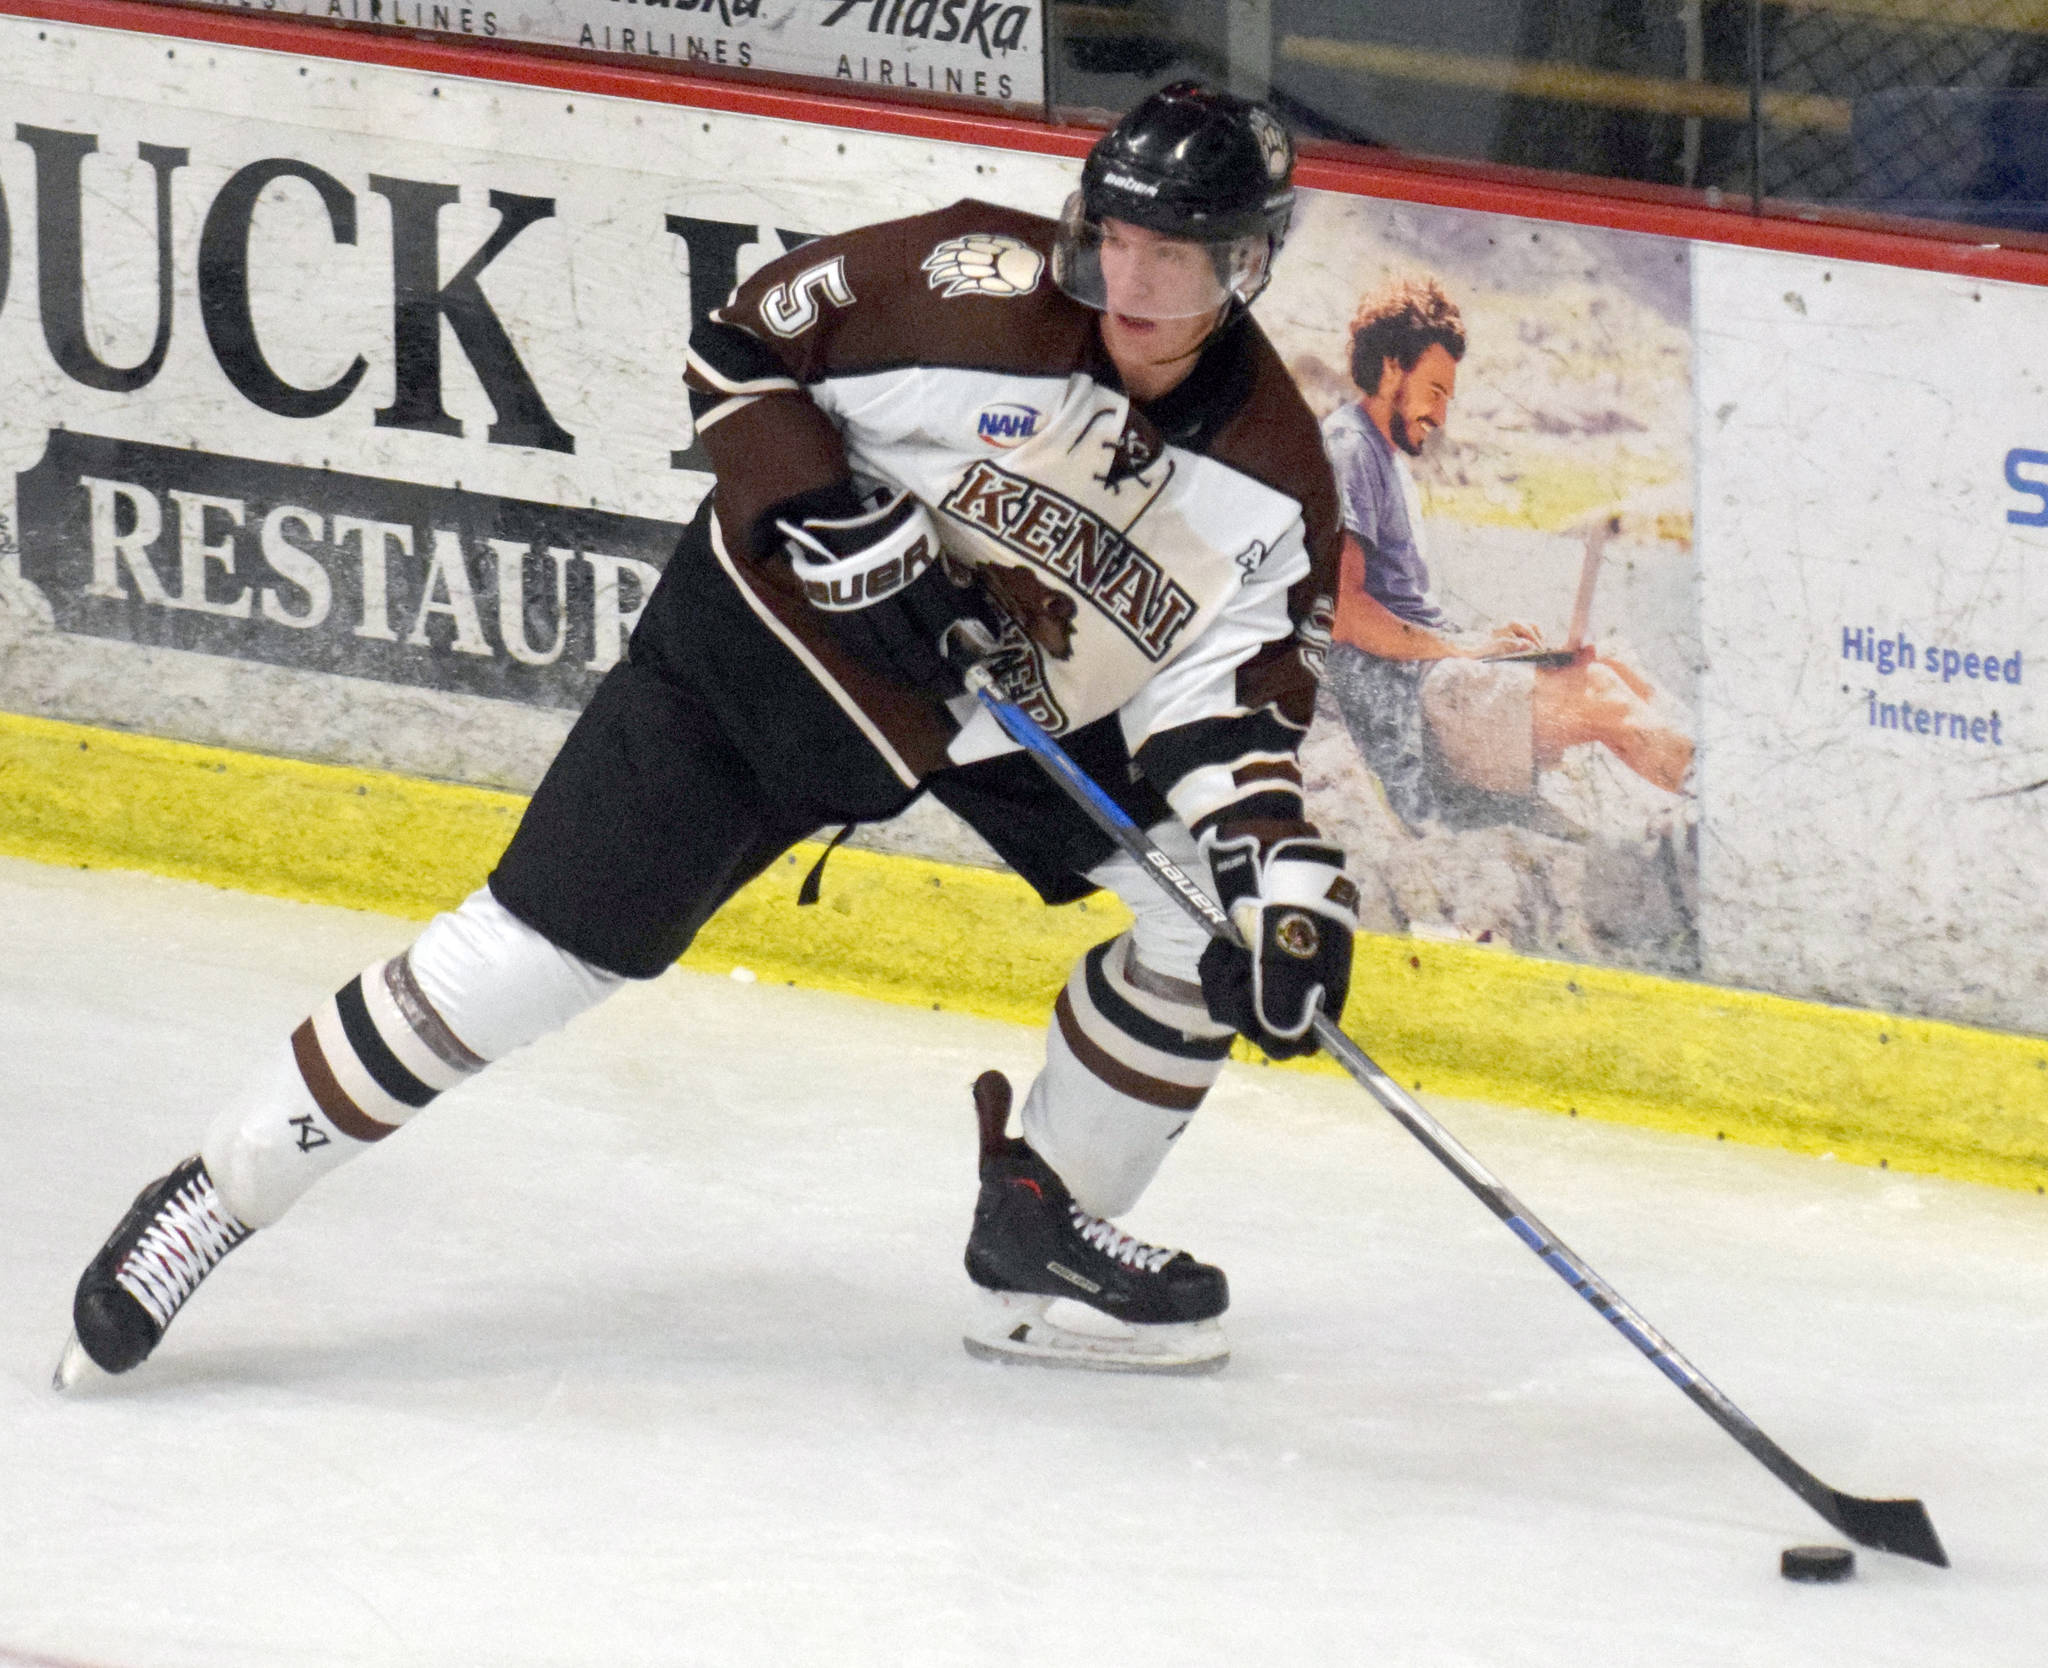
{"x":984,"y":263}
{"x":1006,"y":425}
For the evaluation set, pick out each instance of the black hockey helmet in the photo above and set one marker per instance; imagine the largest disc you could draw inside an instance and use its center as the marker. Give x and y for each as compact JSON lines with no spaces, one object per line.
{"x":1193,"y":164}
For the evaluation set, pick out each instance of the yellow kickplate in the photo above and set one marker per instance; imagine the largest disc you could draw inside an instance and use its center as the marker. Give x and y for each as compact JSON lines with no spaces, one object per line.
{"x":1457,"y":1019}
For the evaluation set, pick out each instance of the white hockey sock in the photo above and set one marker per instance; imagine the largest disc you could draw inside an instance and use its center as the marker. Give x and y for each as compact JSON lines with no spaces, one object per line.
{"x":475,"y":985}
{"x":1128,"y":1059}
{"x":1132,"y":1050}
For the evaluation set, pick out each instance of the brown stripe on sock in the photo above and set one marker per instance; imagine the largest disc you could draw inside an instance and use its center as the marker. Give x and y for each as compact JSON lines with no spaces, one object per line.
{"x":425,"y":1020}
{"x":1176,"y":1097}
{"x":1274,"y":770}
{"x":329,"y":1095}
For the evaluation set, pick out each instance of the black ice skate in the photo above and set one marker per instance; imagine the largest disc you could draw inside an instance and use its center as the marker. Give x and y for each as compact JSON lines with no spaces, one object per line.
{"x":170,"y":1240}
{"x":1032,"y":1244}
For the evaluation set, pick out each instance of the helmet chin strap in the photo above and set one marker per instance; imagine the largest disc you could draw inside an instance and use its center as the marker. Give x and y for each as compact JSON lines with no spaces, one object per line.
{"x":1235,"y":304}
{"x":1265,"y":273}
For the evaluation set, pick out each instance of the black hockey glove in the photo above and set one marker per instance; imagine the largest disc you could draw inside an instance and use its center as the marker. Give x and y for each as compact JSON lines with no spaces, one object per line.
{"x":1287,"y":892}
{"x":893,"y":599}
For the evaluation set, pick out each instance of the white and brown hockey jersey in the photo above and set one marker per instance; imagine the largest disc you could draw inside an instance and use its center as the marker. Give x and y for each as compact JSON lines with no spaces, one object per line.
{"x":1171,"y":563}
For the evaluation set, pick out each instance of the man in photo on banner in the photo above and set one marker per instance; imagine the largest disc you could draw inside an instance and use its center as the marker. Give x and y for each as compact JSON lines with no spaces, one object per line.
{"x":1062,"y":449}
{"x":1453,"y":733}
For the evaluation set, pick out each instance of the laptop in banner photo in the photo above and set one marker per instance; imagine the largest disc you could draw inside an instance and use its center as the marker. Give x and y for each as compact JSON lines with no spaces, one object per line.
{"x":1598,"y":532}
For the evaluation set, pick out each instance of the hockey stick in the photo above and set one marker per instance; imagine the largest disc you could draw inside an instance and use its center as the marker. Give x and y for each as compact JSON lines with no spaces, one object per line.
{"x":1900,"y":1526}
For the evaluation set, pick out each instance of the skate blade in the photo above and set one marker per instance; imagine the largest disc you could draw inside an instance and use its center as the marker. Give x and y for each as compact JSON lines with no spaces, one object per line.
{"x":1015,"y":1327}
{"x":75,"y":1367}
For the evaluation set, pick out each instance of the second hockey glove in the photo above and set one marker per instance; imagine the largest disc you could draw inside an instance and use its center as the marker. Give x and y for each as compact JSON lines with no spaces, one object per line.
{"x":893,"y":600}
{"x":1292,"y":903}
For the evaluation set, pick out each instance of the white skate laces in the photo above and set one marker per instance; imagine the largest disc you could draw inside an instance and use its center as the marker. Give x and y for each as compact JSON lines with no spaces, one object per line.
{"x":1117,"y":1245}
{"x":188,"y":1236}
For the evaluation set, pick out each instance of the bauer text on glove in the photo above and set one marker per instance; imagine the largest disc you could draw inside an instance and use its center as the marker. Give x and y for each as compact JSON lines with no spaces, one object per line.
{"x":894,"y":599}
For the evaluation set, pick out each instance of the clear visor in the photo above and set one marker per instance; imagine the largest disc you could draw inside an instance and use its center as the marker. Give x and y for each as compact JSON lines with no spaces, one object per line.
{"x":1116,"y":267}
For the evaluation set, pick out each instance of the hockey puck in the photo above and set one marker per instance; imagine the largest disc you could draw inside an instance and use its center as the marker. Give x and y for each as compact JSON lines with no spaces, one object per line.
{"x":1817,"y":1563}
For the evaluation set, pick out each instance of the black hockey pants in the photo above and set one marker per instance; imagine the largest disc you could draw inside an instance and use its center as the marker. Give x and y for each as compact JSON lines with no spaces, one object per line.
{"x":711,"y":750}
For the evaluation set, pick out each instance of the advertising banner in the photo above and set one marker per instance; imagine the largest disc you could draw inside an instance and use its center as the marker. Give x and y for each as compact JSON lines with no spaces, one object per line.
{"x":979,"y":49}
{"x":1506,"y":739}
{"x":1874,"y":518}
{"x":346,"y":562}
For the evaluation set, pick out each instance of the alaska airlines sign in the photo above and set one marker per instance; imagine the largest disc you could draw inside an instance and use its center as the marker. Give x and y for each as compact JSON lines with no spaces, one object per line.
{"x":980,"y":49}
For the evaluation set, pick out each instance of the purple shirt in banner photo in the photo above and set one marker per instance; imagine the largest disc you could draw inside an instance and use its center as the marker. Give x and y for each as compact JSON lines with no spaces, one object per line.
{"x":1378,"y":508}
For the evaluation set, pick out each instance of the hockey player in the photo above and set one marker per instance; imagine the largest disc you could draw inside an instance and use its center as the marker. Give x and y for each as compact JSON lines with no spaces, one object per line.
{"x":1062,"y":447}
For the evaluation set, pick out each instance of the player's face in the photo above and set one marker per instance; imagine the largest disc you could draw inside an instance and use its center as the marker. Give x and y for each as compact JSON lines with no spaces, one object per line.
{"x":1148,"y":275}
{"x":1422,"y":398}
{"x":1148,"y":279}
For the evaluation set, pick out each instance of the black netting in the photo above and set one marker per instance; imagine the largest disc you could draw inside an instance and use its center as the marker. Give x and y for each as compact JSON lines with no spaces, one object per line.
{"x":1931,"y":108}
{"x":1943,"y":120}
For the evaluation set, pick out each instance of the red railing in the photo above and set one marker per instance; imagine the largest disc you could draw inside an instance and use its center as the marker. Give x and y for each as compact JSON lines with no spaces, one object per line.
{"x":1939,"y":249}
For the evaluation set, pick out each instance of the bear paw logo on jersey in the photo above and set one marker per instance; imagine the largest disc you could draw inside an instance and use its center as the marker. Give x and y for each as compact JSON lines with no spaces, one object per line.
{"x":984,"y":263}
{"x":1004,"y":426}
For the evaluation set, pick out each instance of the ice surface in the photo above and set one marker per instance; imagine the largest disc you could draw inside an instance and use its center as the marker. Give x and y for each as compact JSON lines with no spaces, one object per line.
{"x":644,"y":1349}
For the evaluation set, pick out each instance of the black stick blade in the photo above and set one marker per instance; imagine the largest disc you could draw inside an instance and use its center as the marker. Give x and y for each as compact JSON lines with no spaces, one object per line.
{"x":1900,"y":1526}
